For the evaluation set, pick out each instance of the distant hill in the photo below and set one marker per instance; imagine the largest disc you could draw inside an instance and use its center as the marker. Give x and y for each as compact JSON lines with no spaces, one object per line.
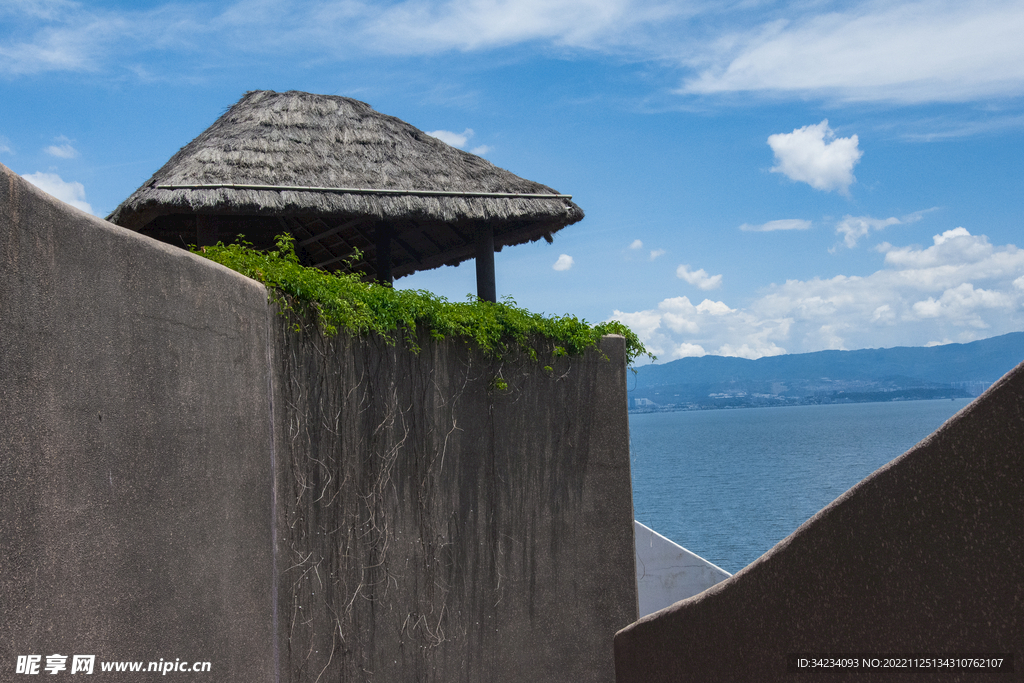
{"x":902,"y":373}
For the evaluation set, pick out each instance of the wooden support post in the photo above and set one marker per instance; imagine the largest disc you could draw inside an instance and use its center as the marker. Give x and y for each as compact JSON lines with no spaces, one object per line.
{"x":207,"y":232}
{"x":382,"y":236}
{"x":484,"y":246}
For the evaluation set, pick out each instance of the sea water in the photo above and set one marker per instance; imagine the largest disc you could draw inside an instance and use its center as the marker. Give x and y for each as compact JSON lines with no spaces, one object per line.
{"x":729,"y":484}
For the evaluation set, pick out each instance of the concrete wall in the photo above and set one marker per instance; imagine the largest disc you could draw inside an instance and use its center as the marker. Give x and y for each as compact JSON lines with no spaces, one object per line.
{"x":924,"y":556}
{"x":183,"y":476}
{"x":436,"y":529}
{"x":666,"y":572}
{"x":135,"y":445}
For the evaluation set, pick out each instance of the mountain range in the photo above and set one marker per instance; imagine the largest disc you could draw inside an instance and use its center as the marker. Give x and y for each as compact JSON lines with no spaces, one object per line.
{"x":901,"y":373}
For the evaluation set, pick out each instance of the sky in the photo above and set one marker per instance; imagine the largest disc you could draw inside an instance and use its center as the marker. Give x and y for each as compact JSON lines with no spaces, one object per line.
{"x":759,"y":177}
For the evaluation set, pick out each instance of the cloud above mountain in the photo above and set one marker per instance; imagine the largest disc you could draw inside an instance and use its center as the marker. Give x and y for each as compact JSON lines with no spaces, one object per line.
{"x":959,"y":288}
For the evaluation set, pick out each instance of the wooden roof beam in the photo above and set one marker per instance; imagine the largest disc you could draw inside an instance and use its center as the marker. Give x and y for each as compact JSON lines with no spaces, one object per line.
{"x":333,"y":231}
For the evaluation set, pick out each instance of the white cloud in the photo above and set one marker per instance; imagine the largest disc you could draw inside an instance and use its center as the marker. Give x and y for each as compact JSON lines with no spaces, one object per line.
{"x":454,"y":139}
{"x":950,"y":234}
{"x":956,"y":248}
{"x":63,"y":149}
{"x":680,"y":315}
{"x":964,"y":303}
{"x":655,"y":253}
{"x":699,"y":278}
{"x":5,"y":146}
{"x":72,"y":193}
{"x":956,"y":287}
{"x":922,"y":51}
{"x":714,"y":307}
{"x":564,"y":262}
{"x":783,"y":224}
{"x":417,"y":27}
{"x":814,"y":155}
{"x":852,"y":228}
{"x":747,"y":351}
{"x":70,"y":36}
{"x":459,"y":140}
{"x":907,"y":51}
{"x":54,"y":35}
{"x":883,"y":315}
{"x":637,"y":244}
{"x":984,"y":122}
{"x":42,"y":9}
{"x":686,"y":350}
{"x":644,"y":323}
{"x":960,"y":288}
{"x":678,"y":329}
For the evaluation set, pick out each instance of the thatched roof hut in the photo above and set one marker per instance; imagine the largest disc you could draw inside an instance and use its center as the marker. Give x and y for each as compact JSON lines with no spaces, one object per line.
{"x":340,"y":176}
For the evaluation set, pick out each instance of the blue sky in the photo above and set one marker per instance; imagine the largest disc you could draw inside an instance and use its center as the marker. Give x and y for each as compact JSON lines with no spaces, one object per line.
{"x":759,"y":177}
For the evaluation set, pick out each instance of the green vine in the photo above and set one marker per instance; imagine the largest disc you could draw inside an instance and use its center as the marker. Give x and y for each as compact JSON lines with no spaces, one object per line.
{"x":342,"y":301}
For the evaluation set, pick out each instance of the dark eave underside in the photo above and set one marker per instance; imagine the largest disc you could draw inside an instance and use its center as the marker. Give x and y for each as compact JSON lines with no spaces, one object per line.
{"x":329,"y":242}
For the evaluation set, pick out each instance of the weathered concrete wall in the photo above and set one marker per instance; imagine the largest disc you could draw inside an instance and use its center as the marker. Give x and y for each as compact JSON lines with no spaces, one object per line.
{"x":924,"y":556}
{"x":666,"y":572}
{"x":184,"y":477}
{"x":436,"y":529}
{"x":134,"y":448}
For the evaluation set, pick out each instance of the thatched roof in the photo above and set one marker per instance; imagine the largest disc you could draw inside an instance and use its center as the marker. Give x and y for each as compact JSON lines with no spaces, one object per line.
{"x":364,"y":169}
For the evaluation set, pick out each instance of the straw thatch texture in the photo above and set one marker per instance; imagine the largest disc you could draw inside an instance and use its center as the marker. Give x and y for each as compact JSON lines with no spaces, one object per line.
{"x":301,"y":139}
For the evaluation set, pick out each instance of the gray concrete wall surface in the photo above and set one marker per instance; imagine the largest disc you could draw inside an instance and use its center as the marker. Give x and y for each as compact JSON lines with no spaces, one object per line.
{"x":186,"y":478}
{"x":435,"y":528}
{"x":135,"y":442}
{"x":922,"y":557}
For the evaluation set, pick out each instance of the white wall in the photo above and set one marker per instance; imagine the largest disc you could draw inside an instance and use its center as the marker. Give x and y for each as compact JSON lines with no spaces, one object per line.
{"x":666,"y":572}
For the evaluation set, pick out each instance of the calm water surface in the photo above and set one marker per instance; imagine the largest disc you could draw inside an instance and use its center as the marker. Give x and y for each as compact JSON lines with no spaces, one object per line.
{"x":730,"y":484}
